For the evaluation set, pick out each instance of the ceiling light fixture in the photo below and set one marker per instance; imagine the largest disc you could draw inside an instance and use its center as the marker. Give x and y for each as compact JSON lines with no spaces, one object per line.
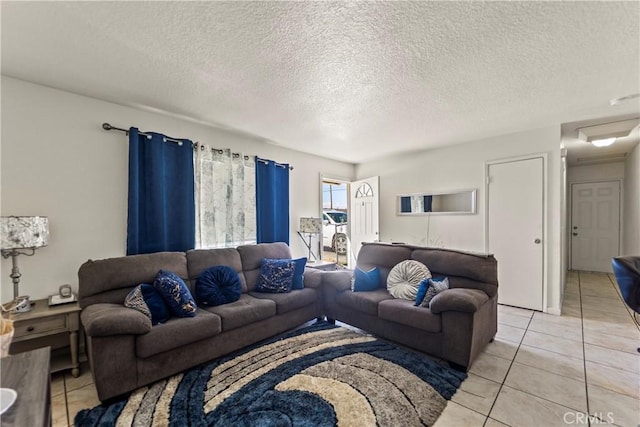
{"x":605,"y":134}
{"x":603,"y":142}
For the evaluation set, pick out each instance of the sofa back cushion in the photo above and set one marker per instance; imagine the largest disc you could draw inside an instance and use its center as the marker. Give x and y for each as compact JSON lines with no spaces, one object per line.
{"x":252,"y":255}
{"x":110,"y":280}
{"x":383,"y":256}
{"x":464,"y":269}
{"x":199,"y":260}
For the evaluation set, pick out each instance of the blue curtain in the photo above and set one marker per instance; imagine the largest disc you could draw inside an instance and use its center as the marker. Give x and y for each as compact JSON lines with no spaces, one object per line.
{"x":405,"y":204}
{"x":272,"y":201}
{"x":161,"y":214}
{"x":428,"y":203}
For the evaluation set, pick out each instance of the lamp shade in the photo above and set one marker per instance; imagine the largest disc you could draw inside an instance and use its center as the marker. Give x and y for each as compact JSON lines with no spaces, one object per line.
{"x":310,"y":225}
{"x":24,"y":232}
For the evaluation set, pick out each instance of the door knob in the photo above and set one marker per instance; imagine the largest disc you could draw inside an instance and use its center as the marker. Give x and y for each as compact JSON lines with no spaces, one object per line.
{"x":574,"y":233}
{"x":537,"y":241}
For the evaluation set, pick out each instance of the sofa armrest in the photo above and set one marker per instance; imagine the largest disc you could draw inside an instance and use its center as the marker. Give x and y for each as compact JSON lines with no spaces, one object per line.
{"x":458,"y":299}
{"x":339,"y":280}
{"x":101,"y":320}
{"x":312,"y":278}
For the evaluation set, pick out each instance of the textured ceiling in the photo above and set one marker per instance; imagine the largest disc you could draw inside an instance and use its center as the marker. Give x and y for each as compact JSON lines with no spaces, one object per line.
{"x":352,"y":81}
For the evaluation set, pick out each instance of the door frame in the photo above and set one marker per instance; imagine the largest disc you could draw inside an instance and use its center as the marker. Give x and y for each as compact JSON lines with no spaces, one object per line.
{"x":545,"y":213}
{"x":340,"y":179}
{"x":570,"y":213}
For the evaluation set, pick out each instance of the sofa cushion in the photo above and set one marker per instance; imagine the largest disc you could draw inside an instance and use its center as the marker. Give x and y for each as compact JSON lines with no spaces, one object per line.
{"x":290,"y":301}
{"x":199,"y":260}
{"x":245,"y":311}
{"x":366,"y":302}
{"x":175,"y":294}
{"x":365,"y":281}
{"x":404,"y":279}
{"x":252,"y":255}
{"x":218,"y":285}
{"x":178,"y":331}
{"x":148,"y":301}
{"x":276,"y":275}
{"x":110,"y":280}
{"x":404,"y":312}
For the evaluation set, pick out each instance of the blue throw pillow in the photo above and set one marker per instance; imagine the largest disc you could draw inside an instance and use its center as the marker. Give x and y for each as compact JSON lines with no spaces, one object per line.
{"x":175,"y":293}
{"x":364,"y":281}
{"x":276,"y":275}
{"x":218,"y":285}
{"x":422,"y":291}
{"x":147,"y":300}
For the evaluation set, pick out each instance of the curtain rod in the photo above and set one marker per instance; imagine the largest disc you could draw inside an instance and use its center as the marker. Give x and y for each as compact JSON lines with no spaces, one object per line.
{"x":107,"y":126}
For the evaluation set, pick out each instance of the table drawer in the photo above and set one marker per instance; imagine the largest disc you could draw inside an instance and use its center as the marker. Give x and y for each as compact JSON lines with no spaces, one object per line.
{"x":49,"y":325}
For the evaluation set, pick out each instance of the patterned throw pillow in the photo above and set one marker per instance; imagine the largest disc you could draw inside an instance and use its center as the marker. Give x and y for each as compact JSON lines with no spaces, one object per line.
{"x":298,"y":274}
{"x":175,"y":293}
{"x":146,"y":299}
{"x":405,"y":277}
{"x":218,"y":285}
{"x":435,"y":287}
{"x":364,"y":281}
{"x":276,"y":275}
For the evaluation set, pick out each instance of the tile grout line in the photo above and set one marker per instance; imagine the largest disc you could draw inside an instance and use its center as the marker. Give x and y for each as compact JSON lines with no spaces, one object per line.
{"x":508,"y":369}
{"x":584,"y":351}
{"x":619,"y":295}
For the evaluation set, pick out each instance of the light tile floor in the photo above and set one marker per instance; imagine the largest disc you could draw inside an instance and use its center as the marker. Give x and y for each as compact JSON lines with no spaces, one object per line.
{"x":581,"y":368}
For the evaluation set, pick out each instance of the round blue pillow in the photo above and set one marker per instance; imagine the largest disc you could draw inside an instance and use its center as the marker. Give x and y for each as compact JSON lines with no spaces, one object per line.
{"x":218,"y":285}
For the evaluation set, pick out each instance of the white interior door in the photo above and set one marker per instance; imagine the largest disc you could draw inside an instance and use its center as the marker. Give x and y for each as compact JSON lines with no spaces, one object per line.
{"x":363,"y":224}
{"x":595,"y":225}
{"x":515,"y":230}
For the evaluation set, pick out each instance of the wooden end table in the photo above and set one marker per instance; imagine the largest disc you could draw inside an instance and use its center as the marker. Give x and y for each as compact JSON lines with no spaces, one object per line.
{"x":28,"y":374}
{"x":36,"y":328}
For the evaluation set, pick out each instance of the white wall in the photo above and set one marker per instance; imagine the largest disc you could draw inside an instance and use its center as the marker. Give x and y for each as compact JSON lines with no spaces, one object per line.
{"x":458,"y":167}
{"x":631,"y":208}
{"x":57,"y":161}
{"x":594,"y":173}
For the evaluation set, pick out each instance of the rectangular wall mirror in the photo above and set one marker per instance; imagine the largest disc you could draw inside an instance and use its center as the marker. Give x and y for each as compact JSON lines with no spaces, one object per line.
{"x":431,"y":203}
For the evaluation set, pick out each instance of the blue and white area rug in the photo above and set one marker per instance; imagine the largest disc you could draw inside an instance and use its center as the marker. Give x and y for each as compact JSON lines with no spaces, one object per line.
{"x":321,"y":375}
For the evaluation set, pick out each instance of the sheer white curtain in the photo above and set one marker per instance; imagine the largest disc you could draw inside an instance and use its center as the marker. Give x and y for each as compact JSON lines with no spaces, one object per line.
{"x":225,"y":198}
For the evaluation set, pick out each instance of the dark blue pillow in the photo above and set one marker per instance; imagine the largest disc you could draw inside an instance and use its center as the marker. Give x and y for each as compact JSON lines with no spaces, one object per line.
{"x":218,"y":285}
{"x":147,"y":300}
{"x":298,"y":274}
{"x":175,"y":293}
{"x":276,"y":275}
{"x":364,"y":281}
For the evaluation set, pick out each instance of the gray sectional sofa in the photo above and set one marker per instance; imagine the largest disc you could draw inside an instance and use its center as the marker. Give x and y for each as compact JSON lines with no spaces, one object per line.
{"x":125,"y":352}
{"x":456,"y":327}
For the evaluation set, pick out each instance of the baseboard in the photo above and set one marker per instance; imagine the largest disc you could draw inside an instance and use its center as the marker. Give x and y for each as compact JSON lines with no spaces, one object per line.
{"x":554,"y":310}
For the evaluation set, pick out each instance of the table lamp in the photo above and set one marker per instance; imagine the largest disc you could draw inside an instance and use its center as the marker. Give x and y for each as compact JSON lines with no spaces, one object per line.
{"x":310,"y":226}
{"x":22,"y":235}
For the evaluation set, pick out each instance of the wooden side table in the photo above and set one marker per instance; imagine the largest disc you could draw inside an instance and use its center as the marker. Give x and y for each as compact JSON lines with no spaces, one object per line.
{"x":28,"y":374}
{"x":36,"y":328}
